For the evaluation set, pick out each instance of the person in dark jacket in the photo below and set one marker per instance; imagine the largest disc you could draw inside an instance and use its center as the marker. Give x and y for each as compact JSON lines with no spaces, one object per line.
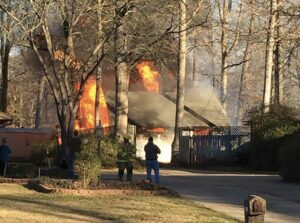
{"x":4,"y":156}
{"x":151,"y":151}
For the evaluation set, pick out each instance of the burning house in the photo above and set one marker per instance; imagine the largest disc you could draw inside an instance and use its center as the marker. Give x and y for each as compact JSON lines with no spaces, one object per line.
{"x":152,"y":109}
{"x":153,"y":114}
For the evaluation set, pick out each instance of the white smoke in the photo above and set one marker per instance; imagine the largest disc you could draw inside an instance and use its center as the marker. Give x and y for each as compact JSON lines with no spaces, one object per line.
{"x":162,"y":141}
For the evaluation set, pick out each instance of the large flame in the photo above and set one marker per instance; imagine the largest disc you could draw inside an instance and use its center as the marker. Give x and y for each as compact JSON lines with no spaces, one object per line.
{"x":149,"y":76}
{"x":86,"y":111}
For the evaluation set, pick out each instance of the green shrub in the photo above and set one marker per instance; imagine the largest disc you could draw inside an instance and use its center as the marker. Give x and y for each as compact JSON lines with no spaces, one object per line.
{"x":289,"y":156}
{"x":21,"y":170}
{"x":44,"y":153}
{"x":277,"y":123}
{"x":87,"y":165}
{"x":267,"y":133}
{"x":94,"y":154}
{"x":108,"y":152}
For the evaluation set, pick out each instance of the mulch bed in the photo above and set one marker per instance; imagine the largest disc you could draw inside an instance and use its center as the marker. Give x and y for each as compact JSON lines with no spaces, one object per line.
{"x":105,"y":187}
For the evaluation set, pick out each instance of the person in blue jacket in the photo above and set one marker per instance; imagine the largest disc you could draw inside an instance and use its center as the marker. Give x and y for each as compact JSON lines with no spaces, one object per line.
{"x":4,"y":156}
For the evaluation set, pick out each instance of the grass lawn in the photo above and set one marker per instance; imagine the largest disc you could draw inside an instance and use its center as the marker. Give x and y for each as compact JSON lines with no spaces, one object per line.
{"x":18,"y":204}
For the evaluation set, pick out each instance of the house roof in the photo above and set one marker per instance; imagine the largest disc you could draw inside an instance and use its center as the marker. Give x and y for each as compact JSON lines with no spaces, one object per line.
{"x":153,"y":110}
{"x":204,"y":104}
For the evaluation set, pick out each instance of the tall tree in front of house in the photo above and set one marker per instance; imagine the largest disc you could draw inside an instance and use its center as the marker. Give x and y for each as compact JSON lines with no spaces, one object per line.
{"x":245,"y":67}
{"x":121,"y":68}
{"x":5,"y":47}
{"x":269,"y":57}
{"x":139,"y":35}
{"x":278,"y":59}
{"x":100,"y":4}
{"x":228,"y":43}
{"x":189,"y":19}
{"x":181,"y":77}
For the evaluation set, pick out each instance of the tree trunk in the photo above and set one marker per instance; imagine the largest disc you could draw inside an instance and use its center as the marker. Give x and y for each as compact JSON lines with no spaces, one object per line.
{"x":269,"y":58}
{"x":224,"y":53}
{"x":122,"y":79}
{"x":40,"y":95}
{"x":5,"y":49}
{"x":64,"y":138}
{"x":194,"y":64}
{"x":99,"y":70}
{"x":245,"y":67}
{"x":180,"y":80}
{"x":20,"y":112}
{"x":277,"y":67}
{"x":97,"y":100}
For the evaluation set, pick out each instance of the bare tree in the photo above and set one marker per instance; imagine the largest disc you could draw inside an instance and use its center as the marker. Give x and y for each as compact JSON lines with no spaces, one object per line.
{"x":269,"y":57}
{"x":245,"y":66}
{"x":226,"y":47}
{"x":40,"y":96}
{"x":121,"y":69}
{"x":181,"y":76}
{"x":57,"y":54}
{"x":100,"y":4}
{"x":278,"y":60}
{"x":5,"y":47}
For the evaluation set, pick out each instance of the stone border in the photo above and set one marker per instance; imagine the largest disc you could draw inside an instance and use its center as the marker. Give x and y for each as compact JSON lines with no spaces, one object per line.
{"x":14,"y":180}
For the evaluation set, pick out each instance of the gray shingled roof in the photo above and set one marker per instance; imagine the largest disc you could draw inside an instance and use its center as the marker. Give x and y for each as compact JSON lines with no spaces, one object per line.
{"x":204,"y":103}
{"x":156,"y":110}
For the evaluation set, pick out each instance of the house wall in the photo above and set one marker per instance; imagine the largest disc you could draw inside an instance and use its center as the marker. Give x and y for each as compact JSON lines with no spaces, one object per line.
{"x":21,"y":140}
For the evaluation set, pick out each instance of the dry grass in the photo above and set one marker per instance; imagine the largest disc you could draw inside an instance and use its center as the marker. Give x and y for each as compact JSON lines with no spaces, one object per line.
{"x":18,"y":204}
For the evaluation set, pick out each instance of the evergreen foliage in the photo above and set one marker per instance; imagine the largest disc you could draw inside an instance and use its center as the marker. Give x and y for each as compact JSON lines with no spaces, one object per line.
{"x":44,"y":152}
{"x":87,"y":165}
{"x":95,"y":154}
{"x":268,"y":132}
{"x":289,"y":157}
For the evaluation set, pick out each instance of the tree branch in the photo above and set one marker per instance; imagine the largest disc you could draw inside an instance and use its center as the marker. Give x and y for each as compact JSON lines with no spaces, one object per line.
{"x":236,"y":64}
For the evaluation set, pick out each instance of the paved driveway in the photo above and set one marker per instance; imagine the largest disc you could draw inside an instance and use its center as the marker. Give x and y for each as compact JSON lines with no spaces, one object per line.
{"x":226,"y":192}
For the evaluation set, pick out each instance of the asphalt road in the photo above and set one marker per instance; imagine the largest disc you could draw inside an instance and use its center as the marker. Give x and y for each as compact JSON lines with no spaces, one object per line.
{"x":226,"y":192}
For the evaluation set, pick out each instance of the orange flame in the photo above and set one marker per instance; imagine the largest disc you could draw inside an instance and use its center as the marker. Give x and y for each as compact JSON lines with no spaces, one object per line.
{"x":149,"y":76}
{"x":86,"y":111}
{"x":157,"y":130}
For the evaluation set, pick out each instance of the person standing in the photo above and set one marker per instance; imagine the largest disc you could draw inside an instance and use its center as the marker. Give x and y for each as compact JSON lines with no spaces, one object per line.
{"x":125,"y":158}
{"x":151,"y":151}
{"x":4,"y":156}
